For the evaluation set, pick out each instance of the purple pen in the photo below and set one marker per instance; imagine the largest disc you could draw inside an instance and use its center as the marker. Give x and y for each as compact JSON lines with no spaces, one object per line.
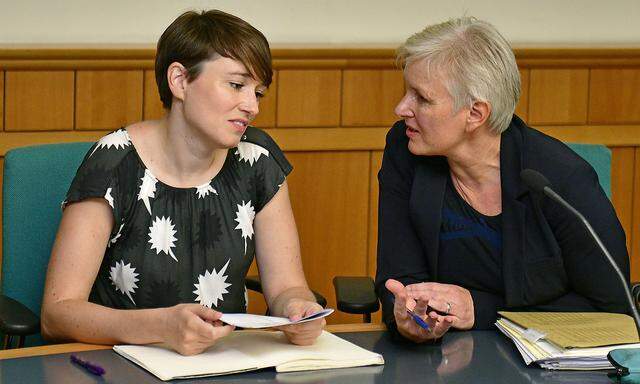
{"x":90,"y":367}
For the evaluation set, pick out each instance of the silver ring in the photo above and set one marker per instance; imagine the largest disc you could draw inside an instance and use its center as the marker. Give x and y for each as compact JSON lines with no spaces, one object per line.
{"x":448,"y":308}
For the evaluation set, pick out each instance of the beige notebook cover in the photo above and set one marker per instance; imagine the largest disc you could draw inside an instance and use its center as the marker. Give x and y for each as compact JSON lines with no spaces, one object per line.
{"x":243,"y":351}
{"x":578,"y":329}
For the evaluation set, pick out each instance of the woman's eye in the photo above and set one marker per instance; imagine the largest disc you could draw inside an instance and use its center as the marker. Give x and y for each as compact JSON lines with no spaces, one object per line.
{"x":259,"y":95}
{"x":236,"y":86}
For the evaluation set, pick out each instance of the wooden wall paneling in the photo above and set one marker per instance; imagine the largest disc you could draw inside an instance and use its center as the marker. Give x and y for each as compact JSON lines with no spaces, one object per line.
{"x":376,"y":163}
{"x":1,"y":100}
{"x":152,"y":106}
{"x":108,"y":99}
{"x":370,"y":96}
{"x":622,"y":189}
{"x":614,"y":96}
{"x":522,"y":109}
{"x":558,"y":96}
{"x":635,"y":243}
{"x":39,"y":100}
{"x":330,"y":198}
{"x":308,"y":98}
{"x":267,"y":115}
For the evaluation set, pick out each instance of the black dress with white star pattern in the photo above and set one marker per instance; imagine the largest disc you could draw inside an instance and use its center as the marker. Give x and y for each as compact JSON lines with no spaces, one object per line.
{"x":178,"y":245}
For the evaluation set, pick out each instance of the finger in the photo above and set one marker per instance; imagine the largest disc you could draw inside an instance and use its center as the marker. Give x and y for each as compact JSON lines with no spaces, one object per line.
{"x":220,"y":332}
{"x":439,"y":306}
{"x":421,"y":308}
{"x":205,"y":313}
{"x":400,"y":298}
{"x":442,"y":327}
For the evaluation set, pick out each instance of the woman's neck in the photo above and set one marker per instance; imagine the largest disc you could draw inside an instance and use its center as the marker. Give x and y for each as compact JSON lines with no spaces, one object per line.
{"x":174,"y":152}
{"x":476,"y":163}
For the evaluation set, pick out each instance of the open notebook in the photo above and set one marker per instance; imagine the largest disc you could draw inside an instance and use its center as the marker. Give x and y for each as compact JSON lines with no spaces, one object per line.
{"x":243,"y":351}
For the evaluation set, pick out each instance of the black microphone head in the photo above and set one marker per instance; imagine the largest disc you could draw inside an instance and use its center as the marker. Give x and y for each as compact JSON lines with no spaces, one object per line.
{"x":534,"y":180}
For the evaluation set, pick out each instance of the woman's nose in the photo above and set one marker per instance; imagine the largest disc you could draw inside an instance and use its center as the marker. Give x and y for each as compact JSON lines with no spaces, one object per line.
{"x":403,"y":108}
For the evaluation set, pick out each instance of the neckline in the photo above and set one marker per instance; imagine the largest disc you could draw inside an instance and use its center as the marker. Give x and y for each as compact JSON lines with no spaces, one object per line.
{"x":466,"y":204}
{"x":169,"y":186}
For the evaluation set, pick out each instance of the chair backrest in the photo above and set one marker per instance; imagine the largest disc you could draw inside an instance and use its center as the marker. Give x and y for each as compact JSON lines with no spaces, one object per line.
{"x":599,"y":157}
{"x":35,"y":181}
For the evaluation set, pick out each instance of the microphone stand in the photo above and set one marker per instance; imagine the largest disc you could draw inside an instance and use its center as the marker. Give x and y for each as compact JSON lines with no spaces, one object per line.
{"x":549,"y":192}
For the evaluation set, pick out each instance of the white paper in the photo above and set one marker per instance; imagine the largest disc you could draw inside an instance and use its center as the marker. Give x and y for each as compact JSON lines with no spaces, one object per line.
{"x":246,"y":320}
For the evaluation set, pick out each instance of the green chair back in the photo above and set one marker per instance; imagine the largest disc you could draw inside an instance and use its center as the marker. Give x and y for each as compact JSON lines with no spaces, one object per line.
{"x":35,"y":182}
{"x":599,"y":157}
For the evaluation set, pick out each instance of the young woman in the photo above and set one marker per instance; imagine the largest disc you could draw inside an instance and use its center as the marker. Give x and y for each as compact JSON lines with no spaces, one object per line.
{"x":163,"y":218}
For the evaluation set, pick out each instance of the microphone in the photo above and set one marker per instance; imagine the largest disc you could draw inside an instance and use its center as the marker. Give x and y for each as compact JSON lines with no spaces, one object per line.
{"x":538,"y":183}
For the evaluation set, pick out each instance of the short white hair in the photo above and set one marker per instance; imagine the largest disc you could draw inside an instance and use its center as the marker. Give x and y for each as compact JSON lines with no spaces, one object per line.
{"x":476,"y":62}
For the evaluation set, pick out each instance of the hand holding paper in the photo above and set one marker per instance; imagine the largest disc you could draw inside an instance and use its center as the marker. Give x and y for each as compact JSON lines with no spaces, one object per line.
{"x":246,"y":320}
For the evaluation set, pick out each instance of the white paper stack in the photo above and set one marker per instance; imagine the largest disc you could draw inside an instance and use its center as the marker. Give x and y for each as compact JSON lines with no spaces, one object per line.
{"x":535,"y":349}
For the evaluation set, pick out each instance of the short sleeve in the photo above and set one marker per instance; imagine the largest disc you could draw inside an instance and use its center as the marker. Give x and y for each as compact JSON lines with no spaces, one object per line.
{"x":270,"y":167}
{"x":96,"y":176}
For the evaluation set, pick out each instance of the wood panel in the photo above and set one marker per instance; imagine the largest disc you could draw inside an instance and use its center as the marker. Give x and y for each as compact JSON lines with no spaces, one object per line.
{"x":635,"y":244}
{"x":39,"y":100}
{"x":330,"y":198}
{"x":622,"y":170}
{"x":108,"y":99}
{"x":308,"y":98}
{"x":376,"y":163}
{"x":1,"y":100}
{"x":614,"y":96}
{"x":370,"y":96}
{"x":267,"y":116}
{"x":558,"y":96}
{"x":152,"y":107}
{"x":522,"y":109}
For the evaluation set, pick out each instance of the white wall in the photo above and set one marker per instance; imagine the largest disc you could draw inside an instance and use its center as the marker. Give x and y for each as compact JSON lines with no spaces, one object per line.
{"x":322,"y":21}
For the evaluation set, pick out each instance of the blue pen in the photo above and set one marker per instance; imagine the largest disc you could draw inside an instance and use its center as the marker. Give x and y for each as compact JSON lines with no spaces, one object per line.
{"x":92,"y":368}
{"x":423,"y":324}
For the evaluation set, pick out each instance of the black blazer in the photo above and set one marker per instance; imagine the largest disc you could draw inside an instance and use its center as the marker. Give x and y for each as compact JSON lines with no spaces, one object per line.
{"x":549,"y":261}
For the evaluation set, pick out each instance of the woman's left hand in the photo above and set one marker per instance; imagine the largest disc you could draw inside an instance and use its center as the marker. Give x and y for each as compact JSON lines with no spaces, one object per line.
{"x":305,"y":333}
{"x":447,"y":299}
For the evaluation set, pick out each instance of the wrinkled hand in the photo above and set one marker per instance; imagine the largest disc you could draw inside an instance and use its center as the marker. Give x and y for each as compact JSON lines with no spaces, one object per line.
{"x":438,"y":325}
{"x":192,"y":328}
{"x":455,"y":300}
{"x":305,"y":333}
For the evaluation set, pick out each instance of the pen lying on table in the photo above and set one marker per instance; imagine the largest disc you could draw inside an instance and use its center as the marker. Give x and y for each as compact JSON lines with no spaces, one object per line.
{"x":88,"y":366}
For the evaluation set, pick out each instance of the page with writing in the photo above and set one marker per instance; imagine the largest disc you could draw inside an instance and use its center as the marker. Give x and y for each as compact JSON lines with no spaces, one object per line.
{"x":250,"y":350}
{"x":578,"y":329}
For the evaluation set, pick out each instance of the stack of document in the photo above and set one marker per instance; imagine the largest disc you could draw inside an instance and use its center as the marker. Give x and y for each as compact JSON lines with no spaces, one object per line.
{"x":563,"y":340}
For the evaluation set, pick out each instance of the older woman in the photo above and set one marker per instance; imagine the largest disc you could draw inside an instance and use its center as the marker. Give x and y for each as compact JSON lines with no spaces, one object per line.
{"x":460,"y":236}
{"x":164,"y":217}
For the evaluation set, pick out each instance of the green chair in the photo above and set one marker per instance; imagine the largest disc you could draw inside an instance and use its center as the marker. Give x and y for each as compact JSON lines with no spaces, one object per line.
{"x":36,"y":180}
{"x":355,"y":294}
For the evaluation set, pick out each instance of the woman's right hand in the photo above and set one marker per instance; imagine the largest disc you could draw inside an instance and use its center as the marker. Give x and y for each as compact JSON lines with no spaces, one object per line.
{"x":191,"y":328}
{"x":407,"y":327}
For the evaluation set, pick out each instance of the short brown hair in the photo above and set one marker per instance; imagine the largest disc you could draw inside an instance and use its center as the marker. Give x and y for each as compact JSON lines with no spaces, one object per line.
{"x":195,"y":37}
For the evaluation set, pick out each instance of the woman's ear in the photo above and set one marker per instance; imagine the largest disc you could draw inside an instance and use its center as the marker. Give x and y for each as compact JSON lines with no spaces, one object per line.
{"x":478,"y":114}
{"x":177,"y":79}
